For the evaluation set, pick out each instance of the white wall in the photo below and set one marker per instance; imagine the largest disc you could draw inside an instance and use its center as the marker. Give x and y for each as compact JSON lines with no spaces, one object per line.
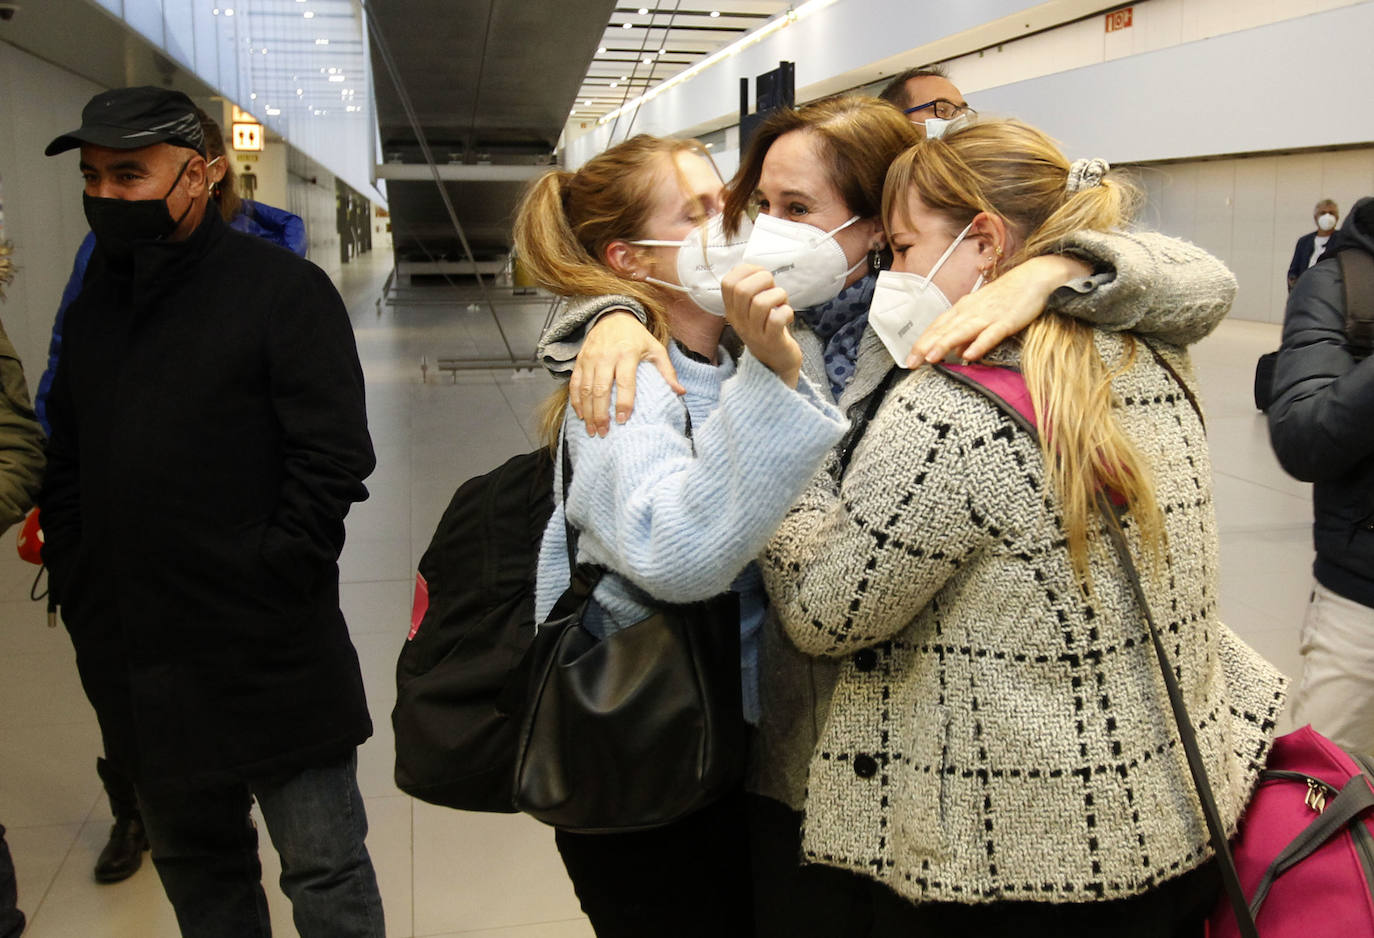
{"x":1249,"y":212}
{"x":1216,"y":70}
{"x":269,"y":166}
{"x":1157,"y":24}
{"x":310,"y":193}
{"x":1189,"y":79}
{"x":43,"y":215}
{"x":1246,"y":91}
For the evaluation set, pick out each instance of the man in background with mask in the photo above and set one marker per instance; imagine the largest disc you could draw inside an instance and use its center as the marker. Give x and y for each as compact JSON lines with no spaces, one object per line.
{"x":928,"y":98}
{"x":208,"y":436}
{"x":1310,"y":246}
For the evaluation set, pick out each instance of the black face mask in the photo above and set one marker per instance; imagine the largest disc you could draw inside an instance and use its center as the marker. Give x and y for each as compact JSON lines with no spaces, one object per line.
{"x":119,"y":224}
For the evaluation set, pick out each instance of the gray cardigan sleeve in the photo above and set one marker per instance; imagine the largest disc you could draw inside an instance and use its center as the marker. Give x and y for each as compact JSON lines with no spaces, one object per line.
{"x":21,"y":439}
{"x":1148,"y":283}
{"x":562,"y":340}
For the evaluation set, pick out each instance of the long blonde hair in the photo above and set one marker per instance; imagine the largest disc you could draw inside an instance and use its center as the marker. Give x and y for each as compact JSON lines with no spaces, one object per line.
{"x":566,"y":221}
{"x":1011,"y":170}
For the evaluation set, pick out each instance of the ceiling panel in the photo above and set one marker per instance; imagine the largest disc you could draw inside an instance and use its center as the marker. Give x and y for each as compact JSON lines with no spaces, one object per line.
{"x":644,"y":45}
{"x":491,"y":81}
{"x":496,"y":81}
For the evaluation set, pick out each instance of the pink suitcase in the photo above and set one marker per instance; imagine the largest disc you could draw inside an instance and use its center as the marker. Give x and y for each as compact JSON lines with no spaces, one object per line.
{"x":1305,"y":848}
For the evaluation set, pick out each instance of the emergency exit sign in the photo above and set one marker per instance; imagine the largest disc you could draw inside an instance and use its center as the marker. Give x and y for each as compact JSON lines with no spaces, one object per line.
{"x":1119,"y":19}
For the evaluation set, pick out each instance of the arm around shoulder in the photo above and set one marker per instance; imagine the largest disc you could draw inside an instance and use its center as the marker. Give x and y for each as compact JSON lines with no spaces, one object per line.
{"x":1149,"y":283}
{"x":562,"y":340}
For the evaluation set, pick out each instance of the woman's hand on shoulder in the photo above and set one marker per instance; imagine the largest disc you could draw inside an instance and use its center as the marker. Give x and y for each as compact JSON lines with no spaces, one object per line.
{"x":757,"y":309}
{"x":981,"y":320}
{"x":614,"y":347}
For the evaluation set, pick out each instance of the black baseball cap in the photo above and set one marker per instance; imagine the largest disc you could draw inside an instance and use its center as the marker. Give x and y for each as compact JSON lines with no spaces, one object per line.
{"x":131,"y":118}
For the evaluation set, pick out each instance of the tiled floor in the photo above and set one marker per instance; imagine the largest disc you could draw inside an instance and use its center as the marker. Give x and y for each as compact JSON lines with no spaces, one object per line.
{"x":445,"y":873}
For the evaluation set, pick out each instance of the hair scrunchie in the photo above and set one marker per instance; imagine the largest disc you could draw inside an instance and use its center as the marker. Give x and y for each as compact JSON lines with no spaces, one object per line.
{"x":1085,"y":174}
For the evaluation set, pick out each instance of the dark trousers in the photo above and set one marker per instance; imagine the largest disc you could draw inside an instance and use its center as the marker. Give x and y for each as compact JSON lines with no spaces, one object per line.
{"x":205,"y":849}
{"x":1177,"y":908}
{"x":797,"y":900}
{"x":793,"y":899}
{"x":11,"y":919}
{"x":118,"y":788}
{"x":689,"y":879}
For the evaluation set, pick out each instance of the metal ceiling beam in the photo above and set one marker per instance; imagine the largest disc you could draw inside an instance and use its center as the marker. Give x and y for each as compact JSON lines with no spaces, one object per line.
{"x":458,"y":172}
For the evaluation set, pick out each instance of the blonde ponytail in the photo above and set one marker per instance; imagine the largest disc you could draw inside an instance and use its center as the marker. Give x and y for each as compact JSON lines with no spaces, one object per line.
{"x":566,"y":221}
{"x":1011,"y":170}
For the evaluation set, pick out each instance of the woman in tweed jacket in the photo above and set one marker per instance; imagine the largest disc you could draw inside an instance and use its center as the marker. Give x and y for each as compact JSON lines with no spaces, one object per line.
{"x":999,"y":756}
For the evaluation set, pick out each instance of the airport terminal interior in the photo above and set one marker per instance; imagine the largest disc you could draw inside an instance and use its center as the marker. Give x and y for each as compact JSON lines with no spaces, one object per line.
{"x":403,"y":132}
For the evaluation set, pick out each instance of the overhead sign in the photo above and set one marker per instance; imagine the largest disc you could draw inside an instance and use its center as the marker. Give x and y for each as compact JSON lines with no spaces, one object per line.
{"x":1119,"y":19}
{"x":247,"y":136}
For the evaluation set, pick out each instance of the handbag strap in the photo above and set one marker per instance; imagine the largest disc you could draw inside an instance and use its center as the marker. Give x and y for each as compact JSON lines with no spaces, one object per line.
{"x":1357,"y":278}
{"x":1183,"y":385}
{"x":858,"y":427}
{"x":1229,"y":877}
{"x":1353,"y":800}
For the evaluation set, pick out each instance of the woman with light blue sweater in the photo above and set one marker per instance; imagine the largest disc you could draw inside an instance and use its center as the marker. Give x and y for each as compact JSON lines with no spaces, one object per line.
{"x":675,"y":502}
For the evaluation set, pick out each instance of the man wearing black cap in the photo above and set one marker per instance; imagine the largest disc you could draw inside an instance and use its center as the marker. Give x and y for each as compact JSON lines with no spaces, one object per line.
{"x":208,"y":437}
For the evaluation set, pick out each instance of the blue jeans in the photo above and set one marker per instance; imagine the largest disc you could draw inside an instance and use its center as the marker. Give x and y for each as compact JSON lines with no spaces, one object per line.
{"x":205,"y":849}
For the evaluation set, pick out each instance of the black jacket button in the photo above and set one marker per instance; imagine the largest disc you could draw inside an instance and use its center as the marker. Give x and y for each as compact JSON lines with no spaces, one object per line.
{"x":865,"y":766}
{"x":866,"y":660}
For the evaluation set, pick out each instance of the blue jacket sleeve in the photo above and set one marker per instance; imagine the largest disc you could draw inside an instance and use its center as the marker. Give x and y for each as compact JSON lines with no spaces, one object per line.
{"x":69,"y":294}
{"x":272,"y":224}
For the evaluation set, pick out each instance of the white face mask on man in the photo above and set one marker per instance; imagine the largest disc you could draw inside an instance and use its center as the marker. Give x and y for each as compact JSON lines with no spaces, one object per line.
{"x":937,"y":127}
{"x":904,"y":305}
{"x":805,"y":261}
{"x":704,"y":257}
{"x":1326,"y":223}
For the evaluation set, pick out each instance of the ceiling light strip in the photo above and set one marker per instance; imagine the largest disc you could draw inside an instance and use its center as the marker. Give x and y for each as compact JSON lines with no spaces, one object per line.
{"x":735,"y":48}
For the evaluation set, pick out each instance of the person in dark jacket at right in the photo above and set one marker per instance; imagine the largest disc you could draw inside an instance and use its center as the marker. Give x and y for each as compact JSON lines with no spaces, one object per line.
{"x":1321,"y":425}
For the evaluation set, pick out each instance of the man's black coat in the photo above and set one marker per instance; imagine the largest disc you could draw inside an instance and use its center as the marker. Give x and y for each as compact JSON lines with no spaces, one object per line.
{"x":208,"y":436}
{"x":1321,"y":423}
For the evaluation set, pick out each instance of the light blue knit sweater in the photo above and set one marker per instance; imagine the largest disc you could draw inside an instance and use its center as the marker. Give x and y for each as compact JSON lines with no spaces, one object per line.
{"x":681,"y":520}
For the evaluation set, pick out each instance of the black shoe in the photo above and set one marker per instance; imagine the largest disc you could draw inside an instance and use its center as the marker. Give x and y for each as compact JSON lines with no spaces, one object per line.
{"x":123,"y":855}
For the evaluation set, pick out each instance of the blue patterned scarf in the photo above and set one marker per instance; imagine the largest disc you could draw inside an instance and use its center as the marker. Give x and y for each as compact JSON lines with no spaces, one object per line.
{"x":839,"y":324}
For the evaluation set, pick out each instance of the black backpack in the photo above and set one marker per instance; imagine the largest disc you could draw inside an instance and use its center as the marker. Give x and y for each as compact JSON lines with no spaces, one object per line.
{"x":460,"y":679}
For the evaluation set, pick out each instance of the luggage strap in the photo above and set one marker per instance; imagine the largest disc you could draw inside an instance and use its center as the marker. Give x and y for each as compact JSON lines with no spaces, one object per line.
{"x":1354,"y":799}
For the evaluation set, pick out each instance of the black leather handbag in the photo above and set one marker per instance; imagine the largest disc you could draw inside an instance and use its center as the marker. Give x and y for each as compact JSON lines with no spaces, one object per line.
{"x":636,"y":729}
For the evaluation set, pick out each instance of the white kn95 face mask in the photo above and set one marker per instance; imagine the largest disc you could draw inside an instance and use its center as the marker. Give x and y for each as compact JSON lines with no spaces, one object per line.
{"x":905,"y":304}
{"x":704,"y":257}
{"x":805,"y":261}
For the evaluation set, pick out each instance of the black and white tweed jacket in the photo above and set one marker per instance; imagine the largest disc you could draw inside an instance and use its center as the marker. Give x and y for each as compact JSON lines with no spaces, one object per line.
{"x":994,"y":734}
